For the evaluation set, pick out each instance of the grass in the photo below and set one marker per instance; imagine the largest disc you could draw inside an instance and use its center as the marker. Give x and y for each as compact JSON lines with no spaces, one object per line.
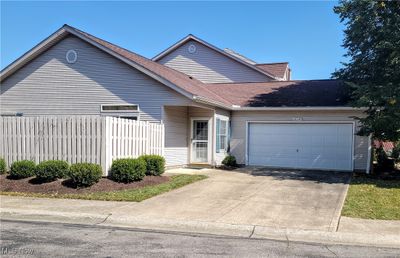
{"x":131,"y":195}
{"x":372,"y":198}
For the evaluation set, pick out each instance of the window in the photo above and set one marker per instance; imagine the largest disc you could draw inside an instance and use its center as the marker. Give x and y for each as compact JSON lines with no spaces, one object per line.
{"x":119,"y":108}
{"x":129,"y":117}
{"x":222,"y":135}
{"x":126,"y":111}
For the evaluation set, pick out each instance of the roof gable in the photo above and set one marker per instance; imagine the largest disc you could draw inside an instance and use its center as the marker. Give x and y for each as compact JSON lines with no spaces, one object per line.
{"x":277,"y":69}
{"x":178,"y":81}
{"x":227,"y":54}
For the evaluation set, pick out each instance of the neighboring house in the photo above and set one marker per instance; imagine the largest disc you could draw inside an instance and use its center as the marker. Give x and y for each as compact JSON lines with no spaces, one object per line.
{"x":211,"y":101}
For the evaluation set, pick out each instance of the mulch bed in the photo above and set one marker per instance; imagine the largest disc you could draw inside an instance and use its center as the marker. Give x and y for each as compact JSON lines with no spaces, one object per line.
{"x":64,"y":186}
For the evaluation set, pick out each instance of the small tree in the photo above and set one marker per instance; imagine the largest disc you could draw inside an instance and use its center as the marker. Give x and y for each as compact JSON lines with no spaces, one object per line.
{"x":372,"y":40}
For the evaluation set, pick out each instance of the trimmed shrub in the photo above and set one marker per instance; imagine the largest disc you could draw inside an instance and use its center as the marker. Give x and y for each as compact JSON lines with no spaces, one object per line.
{"x":3,"y":167}
{"x":229,"y":161}
{"x":22,"y":169}
{"x":85,"y":174}
{"x":51,"y":170}
{"x":128,"y":170}
{"x":155,"y":164}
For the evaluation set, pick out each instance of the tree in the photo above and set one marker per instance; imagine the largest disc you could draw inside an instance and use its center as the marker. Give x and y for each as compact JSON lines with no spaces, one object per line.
{"x":372,"y":41}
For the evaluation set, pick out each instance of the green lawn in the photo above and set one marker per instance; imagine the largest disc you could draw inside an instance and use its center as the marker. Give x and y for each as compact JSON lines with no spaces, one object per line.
{"x":371,"y":198}
{"x":134,"y":195}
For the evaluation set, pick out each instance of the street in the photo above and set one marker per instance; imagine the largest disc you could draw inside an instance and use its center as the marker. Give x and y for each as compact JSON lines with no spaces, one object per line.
{"x":42,"y":239}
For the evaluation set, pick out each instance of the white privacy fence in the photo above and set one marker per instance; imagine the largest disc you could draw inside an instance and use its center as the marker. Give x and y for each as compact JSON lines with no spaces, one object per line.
{"x":78,"y":139}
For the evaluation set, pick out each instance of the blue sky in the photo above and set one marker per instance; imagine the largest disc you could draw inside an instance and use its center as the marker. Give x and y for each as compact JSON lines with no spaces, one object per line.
{"x":306,"y":34}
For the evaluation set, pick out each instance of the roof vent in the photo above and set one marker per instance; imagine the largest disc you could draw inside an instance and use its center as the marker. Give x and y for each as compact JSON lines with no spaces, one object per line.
{"x":192,"y":49}
{"x":71,"y":56}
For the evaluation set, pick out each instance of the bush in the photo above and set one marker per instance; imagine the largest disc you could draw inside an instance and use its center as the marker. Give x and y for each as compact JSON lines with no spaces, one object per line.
{"x":85,"y":174}
{"x":384,"y":163}
{"x":51,"y":170}
{"x":128,"y":170}
{"x":381,"y":155}
{"x":229,"y":161}
{"x":155,"y":164}
{"x":3,"y":167}
{"x":22,"y":169}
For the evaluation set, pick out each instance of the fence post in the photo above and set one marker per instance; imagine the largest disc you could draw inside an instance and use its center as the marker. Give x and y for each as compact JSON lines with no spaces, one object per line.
{"x":108,"y":145}
{"x":2,"y":136}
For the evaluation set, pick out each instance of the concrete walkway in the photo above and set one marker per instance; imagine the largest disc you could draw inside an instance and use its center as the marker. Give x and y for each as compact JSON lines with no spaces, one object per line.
{"x":261,"y":204}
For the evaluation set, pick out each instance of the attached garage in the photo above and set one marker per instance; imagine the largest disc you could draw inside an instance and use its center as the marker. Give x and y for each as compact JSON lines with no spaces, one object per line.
{"x":325,"y":146}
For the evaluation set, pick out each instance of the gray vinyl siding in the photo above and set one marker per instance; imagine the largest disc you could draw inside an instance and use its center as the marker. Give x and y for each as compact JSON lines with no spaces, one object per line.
{"x":176,"y":135}
{"x":49,"y":85}
{"x":239,"y":119}
{"x":201,"y":112}
{"x":210,"y":66}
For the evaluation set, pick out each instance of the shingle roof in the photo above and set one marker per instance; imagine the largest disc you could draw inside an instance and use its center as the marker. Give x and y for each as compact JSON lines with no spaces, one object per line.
{"x":313,"y":93}
{"x":179,"y":79}
{"x":323,"y":93}
{"x":276,"y":69}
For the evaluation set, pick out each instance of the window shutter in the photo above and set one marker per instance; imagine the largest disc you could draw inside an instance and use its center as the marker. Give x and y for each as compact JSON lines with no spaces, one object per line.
{"x":218,"y":135}
{"x":228,"y":137}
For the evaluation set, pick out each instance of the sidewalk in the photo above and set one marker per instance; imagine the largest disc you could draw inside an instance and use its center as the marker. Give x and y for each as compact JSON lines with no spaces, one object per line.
{"x":350,"y":231}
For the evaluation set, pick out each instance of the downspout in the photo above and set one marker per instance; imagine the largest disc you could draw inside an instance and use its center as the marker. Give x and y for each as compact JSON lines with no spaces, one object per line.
{"x":214,"y":140}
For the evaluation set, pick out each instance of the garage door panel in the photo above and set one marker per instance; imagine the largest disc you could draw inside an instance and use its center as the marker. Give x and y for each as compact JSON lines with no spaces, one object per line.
{"x":316,"y":146}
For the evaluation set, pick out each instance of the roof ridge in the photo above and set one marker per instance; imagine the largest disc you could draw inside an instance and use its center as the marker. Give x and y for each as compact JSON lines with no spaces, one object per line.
{"x":91,"y":35}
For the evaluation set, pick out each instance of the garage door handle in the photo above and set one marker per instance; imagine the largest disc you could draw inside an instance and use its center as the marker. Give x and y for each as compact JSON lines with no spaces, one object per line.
{"x":297,"y":150}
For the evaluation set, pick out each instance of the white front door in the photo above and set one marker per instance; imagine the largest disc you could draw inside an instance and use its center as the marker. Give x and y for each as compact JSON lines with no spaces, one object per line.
{"x":307,"y":146}
{"x":199,"y":142}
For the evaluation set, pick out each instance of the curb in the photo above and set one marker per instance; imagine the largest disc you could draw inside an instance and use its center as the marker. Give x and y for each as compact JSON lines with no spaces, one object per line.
{"x":214,"y":228}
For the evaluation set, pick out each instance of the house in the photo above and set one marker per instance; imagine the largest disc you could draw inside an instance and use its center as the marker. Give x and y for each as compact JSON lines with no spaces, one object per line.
{"x":386,"y":146}
{"x":212,"y":101}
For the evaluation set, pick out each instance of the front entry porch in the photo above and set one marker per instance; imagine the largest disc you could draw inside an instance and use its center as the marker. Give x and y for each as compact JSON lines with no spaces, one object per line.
{"x":189,"y":135}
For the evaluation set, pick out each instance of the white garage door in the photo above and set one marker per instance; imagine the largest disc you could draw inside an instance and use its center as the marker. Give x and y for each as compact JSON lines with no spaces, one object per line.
{"x":310,"y":146}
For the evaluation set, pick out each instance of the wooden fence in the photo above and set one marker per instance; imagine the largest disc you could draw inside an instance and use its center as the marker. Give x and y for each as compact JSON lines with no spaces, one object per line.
{"x":78,"y":139}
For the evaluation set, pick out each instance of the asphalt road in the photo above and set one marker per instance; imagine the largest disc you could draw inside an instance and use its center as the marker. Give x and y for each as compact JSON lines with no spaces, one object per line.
{"x":39,"y":239}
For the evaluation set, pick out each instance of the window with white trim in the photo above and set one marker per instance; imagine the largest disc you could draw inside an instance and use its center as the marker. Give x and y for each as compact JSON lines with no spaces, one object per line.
{"x":119,"y":108}
{"x":126,"y":111}
{"x":222,"y":135}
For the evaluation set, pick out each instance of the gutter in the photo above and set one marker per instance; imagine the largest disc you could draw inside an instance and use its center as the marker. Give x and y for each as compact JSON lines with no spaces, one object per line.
{"x":208,"y":101}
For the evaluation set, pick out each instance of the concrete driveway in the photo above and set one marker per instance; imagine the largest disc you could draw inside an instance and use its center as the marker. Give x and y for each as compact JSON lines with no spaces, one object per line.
{"x":253,"y":196}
